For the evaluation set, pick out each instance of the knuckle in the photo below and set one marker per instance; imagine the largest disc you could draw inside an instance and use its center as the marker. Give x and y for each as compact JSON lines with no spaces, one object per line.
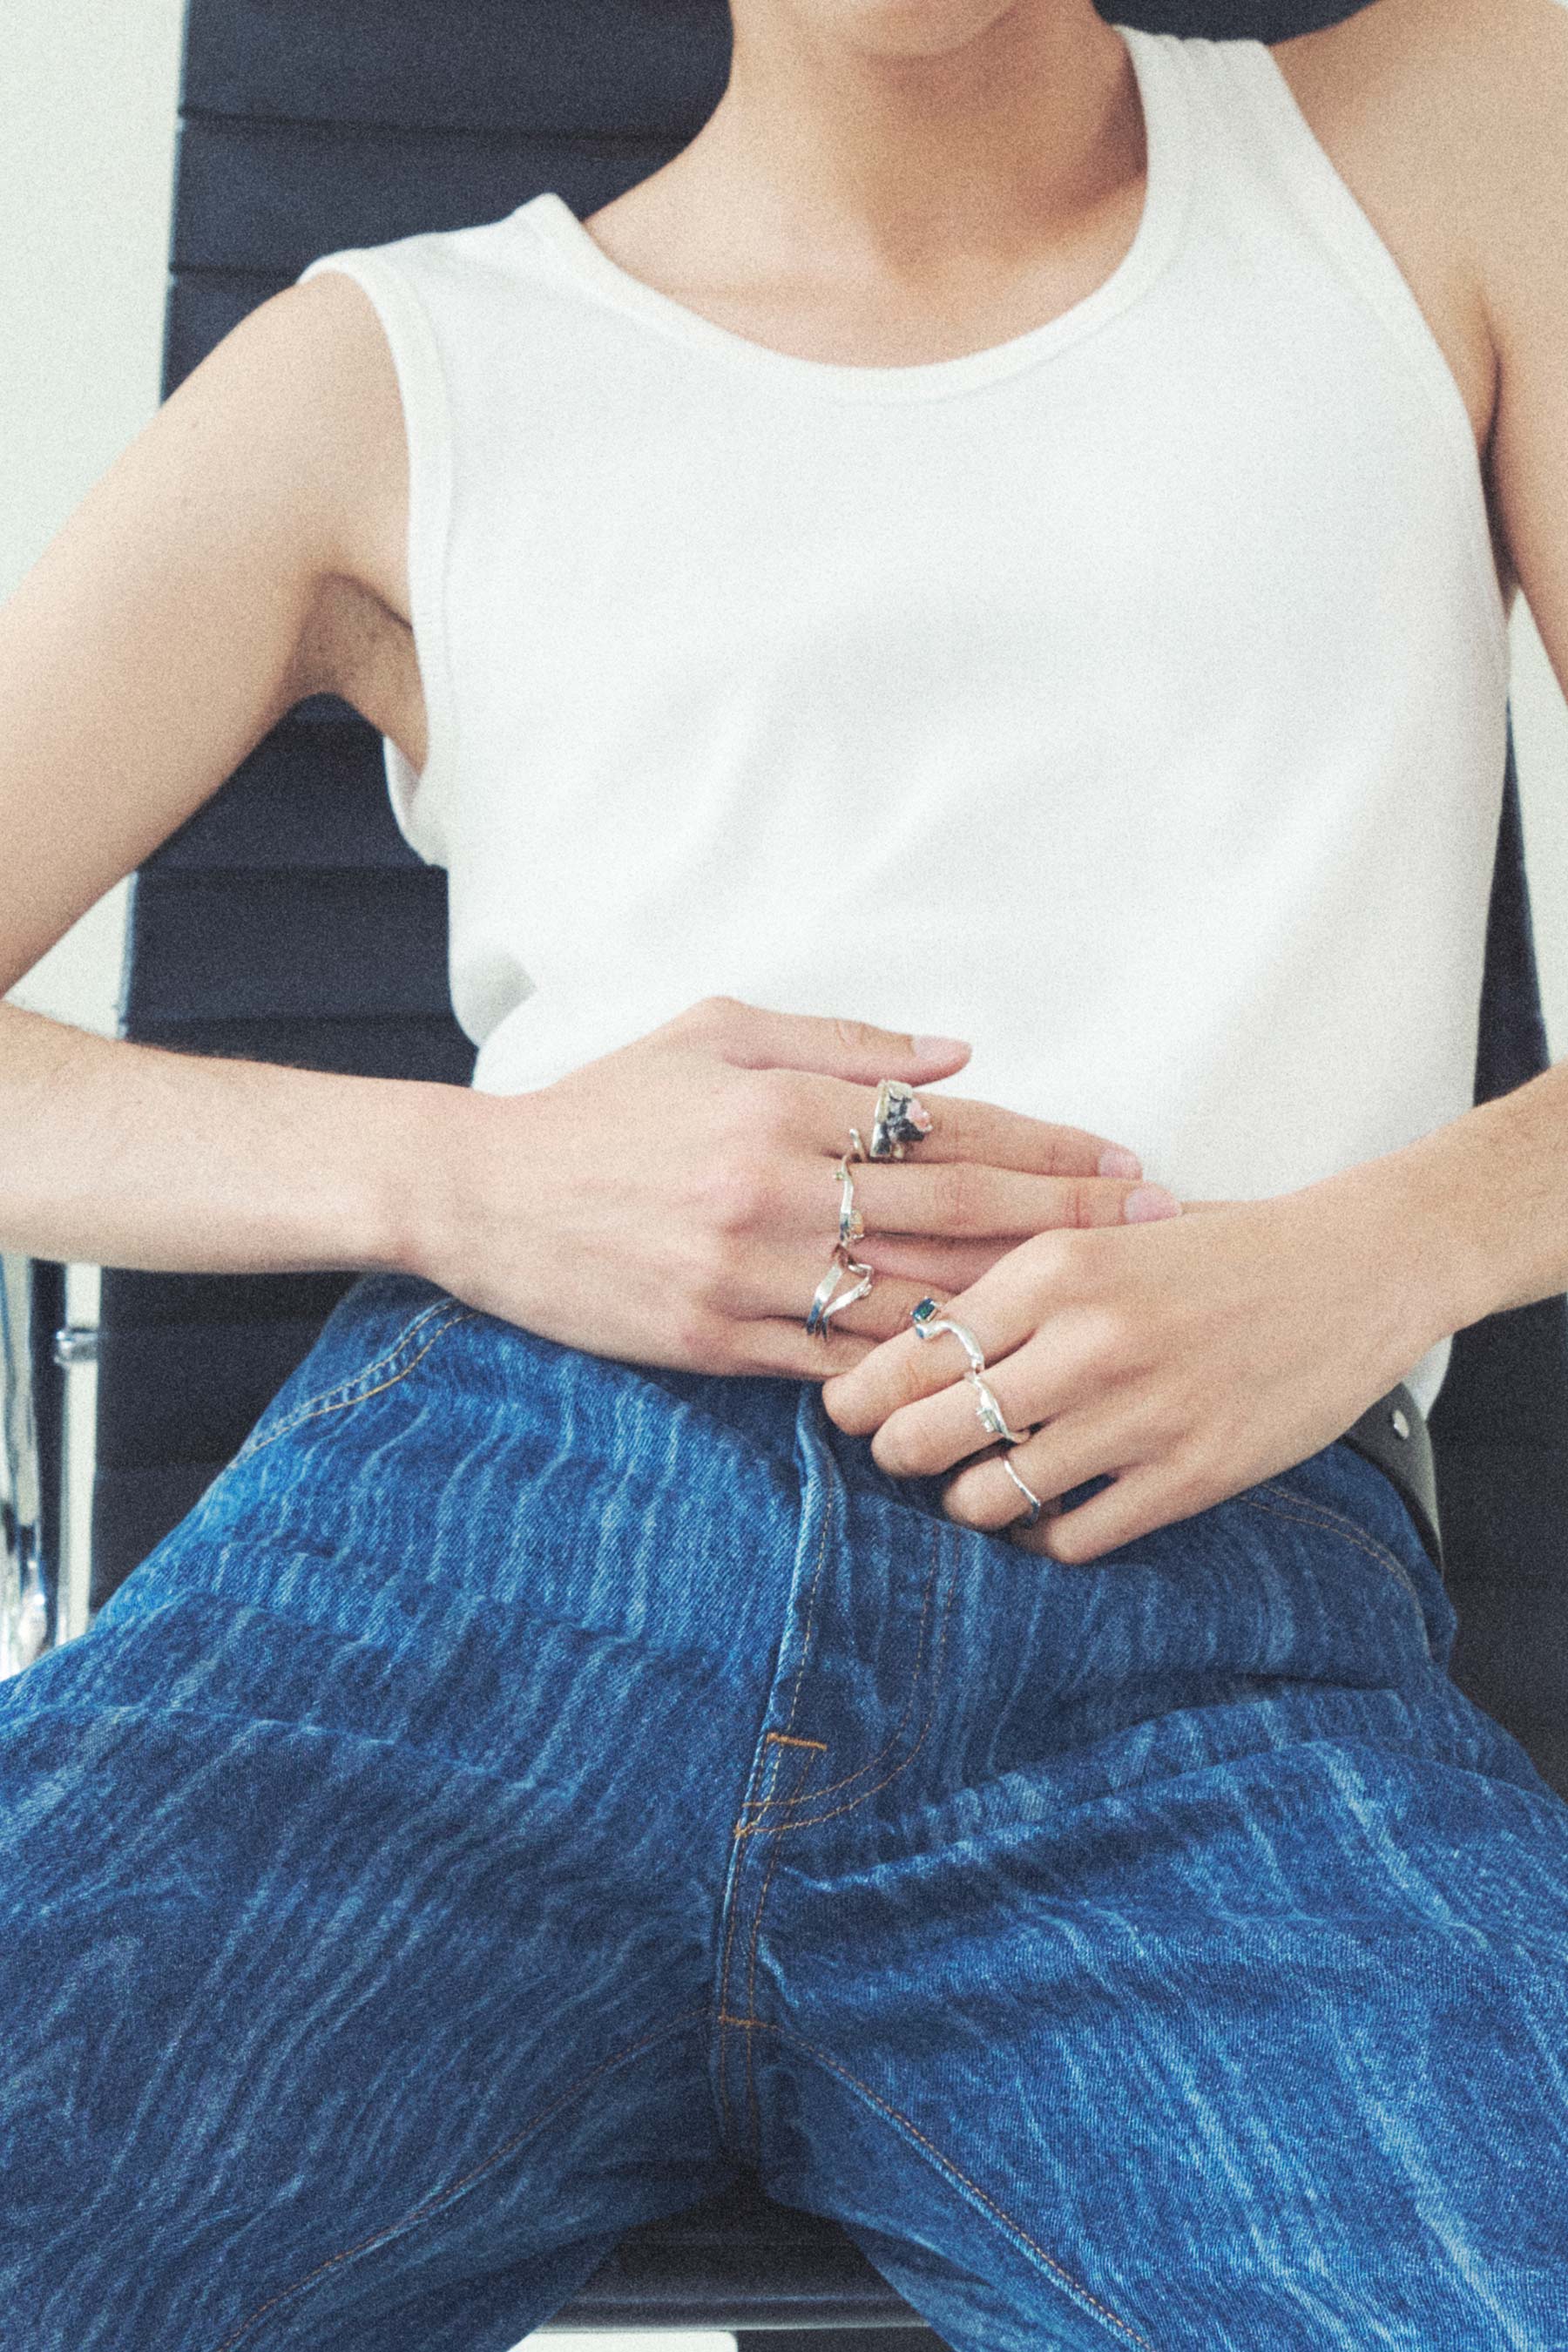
{"x":956,"y":1191}
{"x":763,"y":1106}
{"x":698,"y":1333}
{"x":730,"y":1193}
{"x":713,"y":1017}
{"x":715,"y":1283}
{"x":854,"y":1036}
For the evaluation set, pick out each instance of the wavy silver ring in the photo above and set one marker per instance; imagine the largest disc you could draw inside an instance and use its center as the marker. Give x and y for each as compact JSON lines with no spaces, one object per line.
{"x":993,"y":1420}
{"x":930,"y":1325}
{"x":1035,"y":1506}
{"x":851,"y":1223}
{"x":857,"y":1146}
{"x":822,"y":1311}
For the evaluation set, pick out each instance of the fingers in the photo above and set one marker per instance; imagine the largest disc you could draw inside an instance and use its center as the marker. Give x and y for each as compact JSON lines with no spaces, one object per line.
{"x":936,"y":1266}
{"x":754,"y":1038}
{"x":961,"y":1202}
{"x":963,"y":1129}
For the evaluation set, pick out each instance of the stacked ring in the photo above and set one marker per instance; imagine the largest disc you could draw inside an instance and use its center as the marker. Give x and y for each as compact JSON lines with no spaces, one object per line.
{"x":1033,"y":1500}
{"x":929,"y":1324}
{"x":898,"y":1119}
{"x":851,"y":1223}
{"x":823,"y":1306}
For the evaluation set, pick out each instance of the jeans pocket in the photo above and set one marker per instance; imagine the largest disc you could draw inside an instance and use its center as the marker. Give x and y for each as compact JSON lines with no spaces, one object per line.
{"x":297,"y":1403}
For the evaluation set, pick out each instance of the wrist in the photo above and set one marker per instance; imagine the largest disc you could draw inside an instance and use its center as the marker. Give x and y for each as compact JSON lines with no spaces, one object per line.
{"x":427,"y":1191}
{"x":1449,"y":1224}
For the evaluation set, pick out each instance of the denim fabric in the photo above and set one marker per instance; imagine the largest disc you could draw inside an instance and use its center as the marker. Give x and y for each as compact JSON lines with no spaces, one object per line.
{"x":526,"y":1788}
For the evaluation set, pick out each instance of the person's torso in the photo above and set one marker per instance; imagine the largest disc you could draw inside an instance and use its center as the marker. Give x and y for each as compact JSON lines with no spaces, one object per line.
{"x":1128,"y":697}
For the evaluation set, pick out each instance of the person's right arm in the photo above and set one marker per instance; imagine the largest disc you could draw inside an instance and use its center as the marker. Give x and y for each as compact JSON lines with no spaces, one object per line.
{"x":672,"y":1204}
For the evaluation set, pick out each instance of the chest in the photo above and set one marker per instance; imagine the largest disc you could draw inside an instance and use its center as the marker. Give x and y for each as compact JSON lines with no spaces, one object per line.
{"x":1396,"y":176}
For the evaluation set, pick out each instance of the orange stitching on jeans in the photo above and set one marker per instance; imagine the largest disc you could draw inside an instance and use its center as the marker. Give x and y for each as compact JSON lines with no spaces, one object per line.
{"x":756,"y":1765}
{"x":947,"y":2165}
{"x":403,"y":1336}
{"x":1332,"y":1523}
{"x":337,"y":1403}
{"x":758,"y":1804}
{"x":783,"y":1739}
{"x":664,"y":2034}
{"x":782,"y":1829}
{"x":752,"y":2105}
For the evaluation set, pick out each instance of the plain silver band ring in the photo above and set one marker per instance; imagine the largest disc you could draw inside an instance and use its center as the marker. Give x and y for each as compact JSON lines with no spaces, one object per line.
{"x":1035,"y":1506}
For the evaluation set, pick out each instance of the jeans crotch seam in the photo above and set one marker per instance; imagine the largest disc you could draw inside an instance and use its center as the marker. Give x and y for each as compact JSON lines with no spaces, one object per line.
{"x":685,"y":2022}
{"x":1080,"y":2294}
{"x":808,"y":1765}
{"x":765,"y":1761}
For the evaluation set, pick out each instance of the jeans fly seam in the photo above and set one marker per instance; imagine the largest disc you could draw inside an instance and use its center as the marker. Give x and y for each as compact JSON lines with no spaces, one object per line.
{"x":738,"y":1858}
{"x":947,"y":2165}
{"x":1333,"y":1523}
{"x":337,"y":1401}
{"x":752,"y":2102}
{"x":783,"y":1828}
{"x":420,"y":2212}
{"x":762,"y":1804}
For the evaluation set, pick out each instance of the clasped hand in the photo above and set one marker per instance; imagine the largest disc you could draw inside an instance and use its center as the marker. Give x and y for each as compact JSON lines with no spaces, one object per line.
{"x":1185,"y":1359}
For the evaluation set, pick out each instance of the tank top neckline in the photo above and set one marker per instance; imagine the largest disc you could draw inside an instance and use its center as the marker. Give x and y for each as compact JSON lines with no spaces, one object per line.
{"x":1168,"y":141}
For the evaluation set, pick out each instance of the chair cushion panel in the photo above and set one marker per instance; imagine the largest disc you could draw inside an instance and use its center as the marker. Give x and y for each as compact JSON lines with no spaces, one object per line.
{"x":308,"y":796}
{"x":247,"y":943}
{"x":271,"y":197}
{"x":617,"y":65}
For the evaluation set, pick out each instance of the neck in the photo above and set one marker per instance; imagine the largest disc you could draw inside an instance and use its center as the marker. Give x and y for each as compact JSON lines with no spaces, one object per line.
{"x":914,"y":139}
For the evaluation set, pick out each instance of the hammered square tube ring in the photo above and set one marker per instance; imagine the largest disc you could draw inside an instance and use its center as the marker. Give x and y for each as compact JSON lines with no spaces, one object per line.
{"x":899,"y":1117}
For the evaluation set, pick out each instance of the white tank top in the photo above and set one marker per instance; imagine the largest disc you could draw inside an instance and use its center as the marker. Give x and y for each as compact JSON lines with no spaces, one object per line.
{"x":1128,"y":697}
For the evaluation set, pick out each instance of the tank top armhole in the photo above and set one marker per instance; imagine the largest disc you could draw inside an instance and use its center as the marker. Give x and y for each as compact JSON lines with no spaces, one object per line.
{"x":1328,"y":202}
{"x":419,"y":797}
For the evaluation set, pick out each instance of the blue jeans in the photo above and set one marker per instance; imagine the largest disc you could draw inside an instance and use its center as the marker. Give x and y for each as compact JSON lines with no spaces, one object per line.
{"x":527,"y":1788}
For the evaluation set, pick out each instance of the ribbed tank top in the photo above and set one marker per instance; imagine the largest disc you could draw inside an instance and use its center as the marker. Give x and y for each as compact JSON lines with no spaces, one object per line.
{"x":1128,"y":698}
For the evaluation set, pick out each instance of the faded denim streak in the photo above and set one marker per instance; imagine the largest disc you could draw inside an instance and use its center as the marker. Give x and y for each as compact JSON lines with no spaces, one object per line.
{"x":526,"y":1787}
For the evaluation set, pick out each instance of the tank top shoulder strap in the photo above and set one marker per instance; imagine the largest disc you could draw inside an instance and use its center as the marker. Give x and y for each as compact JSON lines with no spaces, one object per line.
{"x":1241,"y":95}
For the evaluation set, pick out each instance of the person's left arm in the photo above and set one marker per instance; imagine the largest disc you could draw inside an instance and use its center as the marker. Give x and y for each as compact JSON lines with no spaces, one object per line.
{"x":1188,"y":1357}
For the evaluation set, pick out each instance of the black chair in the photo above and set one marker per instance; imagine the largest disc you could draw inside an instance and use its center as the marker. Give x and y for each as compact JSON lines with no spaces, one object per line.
{"x":287,"y":922}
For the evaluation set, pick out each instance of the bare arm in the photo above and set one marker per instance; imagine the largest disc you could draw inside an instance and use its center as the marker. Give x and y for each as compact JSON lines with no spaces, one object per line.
{"x":164,"y":631}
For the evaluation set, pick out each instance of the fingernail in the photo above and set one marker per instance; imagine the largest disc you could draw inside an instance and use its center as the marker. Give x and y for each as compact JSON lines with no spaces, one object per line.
{"x":1149,"y":1202}
{"x":1116,"y":1162}
{"x":938,"y":1049}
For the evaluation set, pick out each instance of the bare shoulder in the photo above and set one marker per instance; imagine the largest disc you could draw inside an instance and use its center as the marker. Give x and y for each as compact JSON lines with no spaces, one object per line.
{"x":1451,"y":113}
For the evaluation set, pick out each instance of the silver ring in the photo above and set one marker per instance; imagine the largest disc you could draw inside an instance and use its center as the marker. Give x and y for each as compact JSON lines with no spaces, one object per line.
{"x":1035,"y":1506}
{"x":993,"y":1420}
{"x":931,"y":1325}
{"x":822,"y":1311}
{"x":851,"y":1223}
{"x":899,"y":1117}
{"x":857,"y":1146}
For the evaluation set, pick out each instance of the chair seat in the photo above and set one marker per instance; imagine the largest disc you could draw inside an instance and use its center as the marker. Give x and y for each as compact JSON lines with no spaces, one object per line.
{"x":737,"y":2261}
